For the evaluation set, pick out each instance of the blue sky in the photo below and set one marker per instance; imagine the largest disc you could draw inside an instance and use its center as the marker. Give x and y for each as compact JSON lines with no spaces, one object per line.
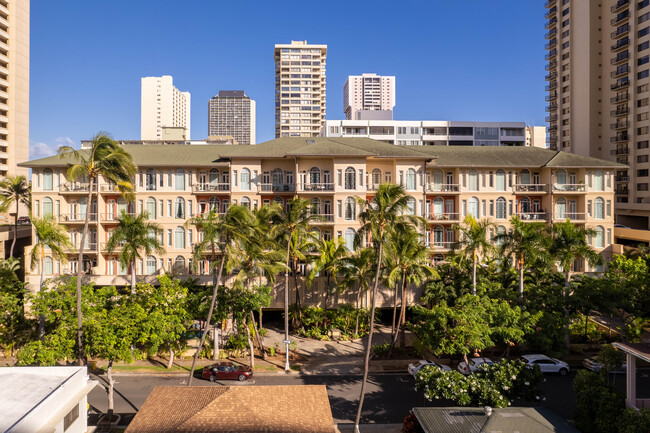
{"x":453,"y":60}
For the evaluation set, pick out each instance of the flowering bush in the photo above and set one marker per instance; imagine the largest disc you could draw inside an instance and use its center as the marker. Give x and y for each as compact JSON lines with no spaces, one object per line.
{"x":494,"y":385}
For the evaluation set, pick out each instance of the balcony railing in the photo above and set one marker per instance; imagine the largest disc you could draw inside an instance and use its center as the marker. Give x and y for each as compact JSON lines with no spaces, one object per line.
{"x":620,"y":44}
{"x":620,"y":138}
{"x":620,"y":111}
{"x":549,"y":3}
{"x":620,"y":4}
{"x":108,"y":187}
{"x":551,"y":118}
{"x":327,"y":218}
{"x":551,"y":44}
{"x":622,"y":97}
{"x":78,"y":187}
{"x":440,"y":246}
{"x":624,"y":150}
{"x":550,"y":23}
{"x":623,"y":30}
{"x":574,"y":216}
{"x":552,"y":11}
{"x":551,"y":65}
{"x":525,"y":187}
{"x":77,"y":218}
{"x":620,"y":84}
{"x":104,"y":246}
{"x":620,"y":57}
{"x":551,"y":54}
{"x":316,"y":187}
{"x":210,"y":187}
{"x":620,"y":18}
{"x":551,"y":86}
{"x":551,"y":76}
{"x":551,"y":107}
{"x":622,"y":179}
{"x":442,"y":187}
{"x":531,"y":216}
{"x":620,"y":125}
{"x":569,"y":187}
{"x":113,"y":217}
{"x":551,"y":96}
{"x":89,"y":248}
{"x":621,"y":70}
{"x":443,"y":216}
{"x":552,"y":33}
{"x":271,"y":187}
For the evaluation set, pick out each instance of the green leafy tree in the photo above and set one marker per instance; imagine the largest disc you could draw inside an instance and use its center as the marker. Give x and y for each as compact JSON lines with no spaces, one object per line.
{"x":330,"y":255}
{"x":134,"y":235}
{"x":598,"y":406}
{"x":11,"y":317}
{"x":357,"y":271}
{"x":243,"y":302}
{"x":15,"y":190}
{"x":473,"y":242}
{"x":109,"y":160}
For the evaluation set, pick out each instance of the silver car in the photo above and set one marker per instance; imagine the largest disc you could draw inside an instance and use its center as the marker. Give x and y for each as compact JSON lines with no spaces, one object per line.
{"x":416,"y":366}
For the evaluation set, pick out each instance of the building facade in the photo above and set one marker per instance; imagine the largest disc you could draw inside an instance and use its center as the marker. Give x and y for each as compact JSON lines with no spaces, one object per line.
{"x":299,"y":89}
{"x":163,"y":105}
{"x":368,"y":92}
{"x":598,"y":92}
{"x":427,"y":133}
{"x":232,"y":113}
{"x":445,"y":183}
{"x":14,"y":86}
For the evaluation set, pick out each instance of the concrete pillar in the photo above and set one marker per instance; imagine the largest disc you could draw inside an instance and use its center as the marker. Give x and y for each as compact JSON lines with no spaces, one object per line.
{"x":630,"y":387}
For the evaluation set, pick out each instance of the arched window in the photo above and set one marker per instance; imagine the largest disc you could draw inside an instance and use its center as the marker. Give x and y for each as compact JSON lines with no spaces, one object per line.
{"x":151,"y":208}
{"x":278,"y":177}
{"x":599,"y":181}
{"x":350,"y":209}
{"x":472,"y":183}
{"x":438,"y":179}
{"x":525,"y":205}
{"x":438,"y":236}
{"x":472,"y":207}
{"x":150,"y":180}
{"x":122,"y":205}
{"x":500,"y":231}
{"x":350,"y":178}
{"x":47,"y":180}
{"x":560,"y":208}
{"x":179,"y":180}
{"x":376,"y":176}
{"x":48,"y":265}
{"x":501,"y":208}
{"x":501,"y":180}
{"x":245,"y":177}
{"x":524,"y":177}
{"x":410,"y":179}
{"x":179,"y":238}
{"x":599,"y":208}
{"x":179,"y":208}
{"x":179,"y":264}
{"x":560,"y":177}
{"x":599,"y":237}
{"x":315,"y":233}
{"x":47,"y":207}
{"x":314,"y":175}
{"x":214,"y":204}
{"x":438,"y":207}
{"x":246,"y":202}
{"x":410,"y":206}
{"x":214,"y":177}
{"x":315,"y":206}
{"x":151,"y":265}
{"x":349,"y":239}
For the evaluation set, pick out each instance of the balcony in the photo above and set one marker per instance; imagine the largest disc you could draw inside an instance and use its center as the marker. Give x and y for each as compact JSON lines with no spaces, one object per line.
{"x":551,"y":86}
{"x":622,"y":160}
{"x":316,"y":187}
{"x":622,"y":190}
{"x":622,"y":179}
{"x":531,"y":216}
{"x":623,"y":30}
{"x":77,"y":218}
{"x":622,"y":150}
{"x":104,"y":246}
{"x":324,"y":218}
{"x":449,"y":217}
{"x":620,"y":124}
{"x":551,"y":44}
{"x":77,"y":188}
{"x":113,"y":217}
{"x":620,"y":4}
{"x":272,"y":188}
{"x":551,"y":54}
{"x":210,"y":187}
{"x":549,"y":3}
{"x":620,"y":71}
{"x":530,"y":188}
{"x":620,"y":44}
{"x":443,"y":188}
{"x":573,"y":216}
{"x":620,"y":57}
{"x":621,"y":111}
{"x":552,"y":33}
{"x":91,"y":247}
{"x":551,"y":76}
{"x":620,"y":84}
{"x":551,"y":107}
{"x":621,"y":137}
{"x":621,"y":18}
{"x":440,"y":246}
{"x":551,"y":65}
{"x":569,"y":187}
{"x":551,"y":118}
{"x":552,"y":128}
{"x":551,"y":96}
{"x":621,"y":97}
{"x":551,"y":12}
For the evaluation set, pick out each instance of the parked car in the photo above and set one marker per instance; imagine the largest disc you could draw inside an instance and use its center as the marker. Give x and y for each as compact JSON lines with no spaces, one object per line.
{"x":473,"y":365}
{"x":24,"y":221}
{"x":226,"y":370}
{"x":416,"y":366}
{"x":593,"y":365}
{"x":546,"y":364}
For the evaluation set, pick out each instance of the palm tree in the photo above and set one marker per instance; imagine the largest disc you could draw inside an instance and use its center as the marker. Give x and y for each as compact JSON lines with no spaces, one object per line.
{"x":135,"y":234}
{"x":569,"y":243}
{"x":293,"y":225}
{"x":357,"y":270}
{"x":384,"y":211}
{"x":15,"y":190}
{"x":109,"y":160}
{"x":527,"y":242}
{"x":473,"y":242}
{"x":412,"y":268}
{"x":330,"y":254}
{"x":219,"y":232}
{"x":53,"y":237}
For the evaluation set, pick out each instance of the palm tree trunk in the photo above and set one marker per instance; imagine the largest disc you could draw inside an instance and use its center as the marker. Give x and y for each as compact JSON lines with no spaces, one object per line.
{"x":250,"y":340}
{"x":260,"y":337}
{"x":566,"y":312}
{"x":402,"y":315}
{"x":287,"y":368}
{"x":356,"y":324}
{"x":295,"y":284}
{"x":13,"y":242}
{"x":170,"y":363}
{"x":213,"y":302}
{"x":392,"y":329}
{"x":133,"y":277}
{"x":41,"y":318}
{"x":474,"y":275}
{"x":521,"y":279}
{"x":402,"y":323}
{"x":372,"y":324}
{"x":80,"y":263}
{"x":215,"y":339}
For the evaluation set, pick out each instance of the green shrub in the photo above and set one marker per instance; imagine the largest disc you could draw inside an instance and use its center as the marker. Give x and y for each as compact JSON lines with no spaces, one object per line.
{"x":598,"y":406}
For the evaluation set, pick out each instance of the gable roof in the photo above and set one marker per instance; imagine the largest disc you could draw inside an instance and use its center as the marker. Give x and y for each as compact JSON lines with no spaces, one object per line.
{"x":236,"y":409}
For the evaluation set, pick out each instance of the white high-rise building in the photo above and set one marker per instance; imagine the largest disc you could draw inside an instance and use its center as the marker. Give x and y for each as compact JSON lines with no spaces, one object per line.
{"x":369,"y":92}
{"x":299,"y":89}
{"x":163,"y":106}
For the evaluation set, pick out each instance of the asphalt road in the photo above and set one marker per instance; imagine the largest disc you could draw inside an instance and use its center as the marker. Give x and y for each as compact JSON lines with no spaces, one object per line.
{"x":389,"y":397}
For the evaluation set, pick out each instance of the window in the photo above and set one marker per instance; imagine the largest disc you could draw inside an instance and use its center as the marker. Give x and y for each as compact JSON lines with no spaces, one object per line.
{"x":179,"y":238}
{"x":599,"y":208}
{"x":179,"y":180}
{"x":315,"y":206}
{"x":214,"y":204}
{"x":151,"y":180}
{"x":599,"y":237}
{"x":151,"y":265}
{"x":642,"y":158}
{"x":245,"y":180}
{"x":47,"y":180}
{"x":501,"y":208}
{"x":48,"y":265}
{"x":314,"y":175}
{"x":179,"y":208}
{"x":48,"y":209}
{"x":472,"y":207}
{"x":473,"y":180}
{"x":639,"y":173}
{"x":179,"y":264}
{"x":246,"y":202}
{"x":410,"y":206}
{"x":599,"y":184}
{"x":151,"y":208}
{"x":643,"y":74}
{"x":349,"y":239}
{"x":410,"y":179}
{"x":560,"y":208}
{"x":350,"y":209}
{"x":501,"y":180}
{"x":376,"y":176}
{"x":350,"y":178}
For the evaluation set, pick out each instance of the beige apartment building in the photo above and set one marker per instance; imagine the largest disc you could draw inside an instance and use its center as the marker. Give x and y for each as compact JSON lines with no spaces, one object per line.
{"x":368,"y":94}
{"x":598,"y":55}
{"x":14,"y":86}
{"x":163,"y":106}
{"x":299,"y":89}
{"x":178,"y":181}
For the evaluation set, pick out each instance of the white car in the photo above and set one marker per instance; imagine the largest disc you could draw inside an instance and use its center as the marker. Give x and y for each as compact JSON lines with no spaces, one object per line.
{"x":593,"y":365}
{"x":415,"y":367}
{"x":473,"y":365}
{"x":546,"y":364}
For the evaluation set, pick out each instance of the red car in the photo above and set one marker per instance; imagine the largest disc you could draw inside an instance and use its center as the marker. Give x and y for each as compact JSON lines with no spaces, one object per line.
{"x":226,"y":370}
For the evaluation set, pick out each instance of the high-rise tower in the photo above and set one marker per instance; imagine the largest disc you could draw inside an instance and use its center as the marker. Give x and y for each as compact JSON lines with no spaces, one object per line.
{"x":232,"y":113}
{"x":163,"y":106}
{"x":368,"y":92}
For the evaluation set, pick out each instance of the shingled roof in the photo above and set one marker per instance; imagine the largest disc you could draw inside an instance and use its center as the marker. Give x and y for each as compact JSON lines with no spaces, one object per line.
{"x":235,"y":409}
